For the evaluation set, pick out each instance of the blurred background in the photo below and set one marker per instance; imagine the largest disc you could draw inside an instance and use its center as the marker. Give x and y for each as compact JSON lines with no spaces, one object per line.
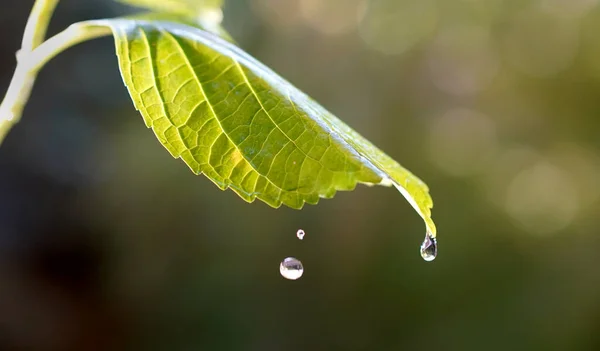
{"x":107,"y":243}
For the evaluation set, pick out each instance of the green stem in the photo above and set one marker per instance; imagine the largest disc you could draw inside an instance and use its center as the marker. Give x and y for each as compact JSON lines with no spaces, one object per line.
{"x":37,"y":24}
{"x":34,"y":54}
{"x":22,"y":81}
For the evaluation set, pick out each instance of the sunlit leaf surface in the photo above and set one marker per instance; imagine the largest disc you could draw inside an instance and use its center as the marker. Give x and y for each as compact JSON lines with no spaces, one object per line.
{"x":234,"y":120}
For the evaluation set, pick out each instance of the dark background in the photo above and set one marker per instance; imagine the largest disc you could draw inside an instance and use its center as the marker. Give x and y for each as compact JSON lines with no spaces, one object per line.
{"x":107,"y":243}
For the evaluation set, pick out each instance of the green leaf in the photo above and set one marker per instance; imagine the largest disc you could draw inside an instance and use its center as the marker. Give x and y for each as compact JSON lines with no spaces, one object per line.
{"x":189,"y":8}
{"x":234,"y":120}
{"x":209,"y":21}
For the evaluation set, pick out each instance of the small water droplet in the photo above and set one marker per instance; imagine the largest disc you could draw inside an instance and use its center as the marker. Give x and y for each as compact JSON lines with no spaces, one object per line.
{"x":429,"y":247}
{"x":300,"y":234}
{"x":291,"y":268}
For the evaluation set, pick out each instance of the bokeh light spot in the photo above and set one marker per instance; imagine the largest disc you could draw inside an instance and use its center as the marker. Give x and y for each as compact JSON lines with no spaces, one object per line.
{"x":542,"y":198}
{"x":540,"y":44}
{"x":462,"y":60}
{"x":333,"y":17}
{"x":583,"y":166}
{"x":277,"y":13}
{"x":506,"y":164}
{"x":462,"y":142}
{"x":394,"y":27}
{"x":568,"y":8}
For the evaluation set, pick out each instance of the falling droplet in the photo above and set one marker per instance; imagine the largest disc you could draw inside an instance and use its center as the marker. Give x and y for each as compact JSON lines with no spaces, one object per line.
{"x":429,"y":247}
{"x":291,"y":268}
{"x":300,"y":234}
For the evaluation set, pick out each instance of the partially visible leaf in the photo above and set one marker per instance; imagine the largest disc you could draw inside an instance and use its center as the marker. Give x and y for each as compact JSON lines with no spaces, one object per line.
{"x":189,"y":8}
{"x":205,"y":21}
{"x":231,"y":118}
{"x":205,"y":14}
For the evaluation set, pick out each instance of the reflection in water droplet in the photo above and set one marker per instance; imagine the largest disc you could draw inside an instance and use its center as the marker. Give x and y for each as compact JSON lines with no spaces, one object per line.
{"x":429,"y":247}
{"x":300,"y":234}
{"x":291,"y":268}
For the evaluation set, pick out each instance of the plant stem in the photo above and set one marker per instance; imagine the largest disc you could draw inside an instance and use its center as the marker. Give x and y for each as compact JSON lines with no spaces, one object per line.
{"x":37,"y":24}
{"x":22,"y":81}
{"x":34,"y":54}
{"x":27,"y":69}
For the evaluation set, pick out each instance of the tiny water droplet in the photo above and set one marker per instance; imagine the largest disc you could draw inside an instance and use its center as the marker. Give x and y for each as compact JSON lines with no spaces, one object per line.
{"x":429,"y":247}
{"x":300,"y":234}
{"x":291,"y":268}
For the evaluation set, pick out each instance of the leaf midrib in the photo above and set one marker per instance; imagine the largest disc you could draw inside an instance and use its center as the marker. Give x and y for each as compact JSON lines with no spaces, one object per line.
{"x":155,"y":85}
{"x":210,"y":105}
{"x":235,"y":51}
{"x":262,"y":107}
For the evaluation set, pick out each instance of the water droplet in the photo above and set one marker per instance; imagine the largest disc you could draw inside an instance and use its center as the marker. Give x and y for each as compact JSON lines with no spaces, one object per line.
{"x":429,"y":247}
{"x":291,"y":268}
{"x":300,"y":234}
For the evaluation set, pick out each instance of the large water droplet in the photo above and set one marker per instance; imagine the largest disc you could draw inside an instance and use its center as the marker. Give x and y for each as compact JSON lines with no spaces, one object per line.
{"x":429,"y":247}
{"x":300,"y":234}
{"x":291,"y":268}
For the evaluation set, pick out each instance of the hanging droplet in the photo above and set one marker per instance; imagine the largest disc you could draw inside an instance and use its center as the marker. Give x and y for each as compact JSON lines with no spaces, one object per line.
{"x":300,"y":234}
{"x":429,"y":247}
{"x":291,"y":268}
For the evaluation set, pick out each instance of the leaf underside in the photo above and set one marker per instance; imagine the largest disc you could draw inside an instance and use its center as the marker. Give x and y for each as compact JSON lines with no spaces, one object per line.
{"x":234,"y":120}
